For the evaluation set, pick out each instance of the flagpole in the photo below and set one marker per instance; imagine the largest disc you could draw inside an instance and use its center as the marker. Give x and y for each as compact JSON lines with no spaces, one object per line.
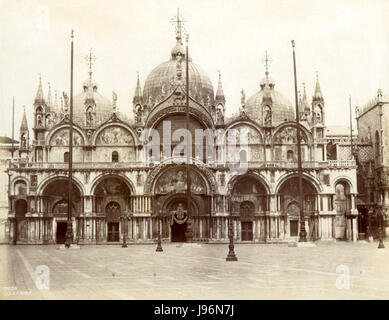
{"x":13,"y":126}
{"x":351,"y":130}
{"x":303,"y":233}
{"x":188,"y":149}
{"x":69,"y":229}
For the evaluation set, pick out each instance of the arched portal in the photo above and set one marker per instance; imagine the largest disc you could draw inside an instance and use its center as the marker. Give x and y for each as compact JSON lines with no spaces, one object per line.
{"x":247,"y":216}
{"x":289,"y":202}
{"x":249,"y":206}
{"x":111,"y":201}
{"x":170,"y":198}
{"x":113,"y":213}
{"x":55,"y":204}
{"x":342,"y":206}
{"x":20,"y":230}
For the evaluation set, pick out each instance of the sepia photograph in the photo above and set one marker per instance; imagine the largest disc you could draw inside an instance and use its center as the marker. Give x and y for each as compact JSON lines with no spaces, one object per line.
{"x":194,"y":150}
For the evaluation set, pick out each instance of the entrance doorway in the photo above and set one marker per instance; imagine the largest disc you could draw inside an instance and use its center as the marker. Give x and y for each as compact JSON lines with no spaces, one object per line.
{"x":179,"y":222}
{"x":113,"y":232}
{"x":293,"y":228}
{"x":61,"y":232}
{"x":247,"y":230}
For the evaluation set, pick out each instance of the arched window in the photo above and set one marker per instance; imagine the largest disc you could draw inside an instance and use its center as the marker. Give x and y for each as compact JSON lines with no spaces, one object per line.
{"x":115,"y":156}
{"x":289,"y":155}
{"x":66,"y":157}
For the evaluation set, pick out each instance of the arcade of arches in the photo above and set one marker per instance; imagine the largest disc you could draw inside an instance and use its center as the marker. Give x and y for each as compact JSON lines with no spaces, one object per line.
{"x":112,"y":210}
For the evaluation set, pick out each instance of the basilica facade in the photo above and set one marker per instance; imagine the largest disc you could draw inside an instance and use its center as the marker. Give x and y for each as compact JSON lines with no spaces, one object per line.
{"x":121,"y":190}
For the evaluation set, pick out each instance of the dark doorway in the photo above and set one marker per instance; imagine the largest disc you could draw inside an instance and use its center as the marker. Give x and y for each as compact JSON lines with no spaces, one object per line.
{"x":247,"y":231}
{"x":293,"y":228}
{"x":178,"y":232}
{"x":113,"y":232}
{"x":61,"y":232}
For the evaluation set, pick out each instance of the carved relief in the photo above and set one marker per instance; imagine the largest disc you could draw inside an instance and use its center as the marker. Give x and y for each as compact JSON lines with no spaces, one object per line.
{"x":175,"y":180}
{"x":114,"y":136}
{"x":288,"y":135}
{"x":61,"y":138}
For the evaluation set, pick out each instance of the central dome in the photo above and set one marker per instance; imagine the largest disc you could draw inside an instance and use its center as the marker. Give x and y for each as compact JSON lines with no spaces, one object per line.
{"x":162,"y":80}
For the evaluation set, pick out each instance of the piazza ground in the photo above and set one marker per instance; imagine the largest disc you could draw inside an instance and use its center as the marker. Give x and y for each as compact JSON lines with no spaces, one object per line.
{"x":264,"y":271}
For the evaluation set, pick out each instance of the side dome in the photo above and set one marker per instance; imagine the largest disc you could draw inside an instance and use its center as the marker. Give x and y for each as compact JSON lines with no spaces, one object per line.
{"x":281,"y":108}
{"x":162,"y":80}
{"x":102,"y":107}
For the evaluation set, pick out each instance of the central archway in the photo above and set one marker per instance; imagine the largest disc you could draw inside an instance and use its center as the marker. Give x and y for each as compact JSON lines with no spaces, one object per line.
{"x":289,"y":202}
{"x":249,"y":207}
{"x":112,"y":199}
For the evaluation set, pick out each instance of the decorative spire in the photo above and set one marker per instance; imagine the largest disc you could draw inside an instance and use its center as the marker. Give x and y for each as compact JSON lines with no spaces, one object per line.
{"x":24,"y":125}
{"x":90,"y":59}
{"x":138,"y":92}
{"x":39,"y":98}
{"x":178,"y":23}
{"x":267,"y":81}
{"x":219,"y":98}
{"x":179,"y":26}
{"x":317,"y":96}
{"x":56,"y":101}
{"x":304,"y":102}
{"x":49,"y":100}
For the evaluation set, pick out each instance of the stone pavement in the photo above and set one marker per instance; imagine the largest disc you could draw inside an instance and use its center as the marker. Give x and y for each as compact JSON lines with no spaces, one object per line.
{"x":264,"y":271}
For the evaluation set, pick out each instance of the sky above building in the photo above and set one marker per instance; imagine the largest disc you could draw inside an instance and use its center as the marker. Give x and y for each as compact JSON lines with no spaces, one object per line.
{"x":346,"y":42}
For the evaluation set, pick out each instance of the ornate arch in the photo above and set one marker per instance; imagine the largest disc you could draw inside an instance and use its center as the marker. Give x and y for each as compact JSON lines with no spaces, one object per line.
{"x":203,"y":171}
{"x":283,"y":125}
{"x":169,"y":106}
{"x":153,"y":119}
{"x":63,"y":126}
{"x":16,"y":179}
{"x":175,"y":197}
{"x":257,"y":176}
{"x":315,"y":182}
{"x":114,"y":124}
{"x":344,"y":179}
{"x":246,"y":122}
{"x":103,"y":176}
{"x":55,"y":177}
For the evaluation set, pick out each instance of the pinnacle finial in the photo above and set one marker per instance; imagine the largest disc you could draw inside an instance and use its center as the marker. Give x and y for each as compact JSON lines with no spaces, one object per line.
{"x":49,"y":100}
{"x":39,"y":94}
{"x":179,"y":25}
{"x":138,"y":91}
{"x":90,"y":59}
{"x":24,"y":125}
{"x":317,"y":94}
{"x":219,"y":93}
{"x":266,"y":60}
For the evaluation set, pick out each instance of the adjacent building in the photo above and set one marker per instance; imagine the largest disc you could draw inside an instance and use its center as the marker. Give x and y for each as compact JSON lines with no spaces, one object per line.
{"x":372,"y":155}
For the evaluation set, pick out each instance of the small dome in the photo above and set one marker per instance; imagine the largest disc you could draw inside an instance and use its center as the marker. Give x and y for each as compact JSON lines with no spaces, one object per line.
{"x":103,"y":107}
{"x":162,"y":80}
{"x":281,"y":107}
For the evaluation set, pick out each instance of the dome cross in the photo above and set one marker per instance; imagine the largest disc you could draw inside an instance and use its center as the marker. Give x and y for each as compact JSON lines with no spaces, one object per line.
{"x":179,"y":25}
{"x":267,"y":60}
{"x":90,"y":59}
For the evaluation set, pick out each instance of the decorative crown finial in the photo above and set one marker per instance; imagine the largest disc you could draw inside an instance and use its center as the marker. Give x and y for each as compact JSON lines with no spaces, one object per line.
{"x":267,"y":60}
{"x":179,"y":25}
{"x":90,"y":59}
